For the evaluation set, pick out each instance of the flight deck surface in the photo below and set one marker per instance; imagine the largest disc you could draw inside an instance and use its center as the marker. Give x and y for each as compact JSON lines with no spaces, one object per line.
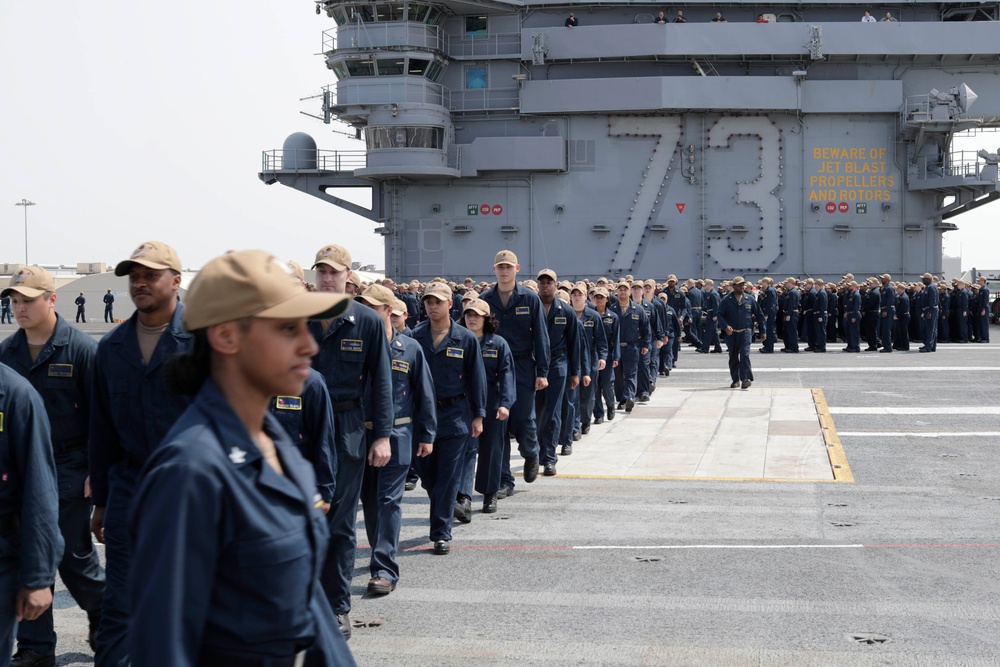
{"x":622,"y":560}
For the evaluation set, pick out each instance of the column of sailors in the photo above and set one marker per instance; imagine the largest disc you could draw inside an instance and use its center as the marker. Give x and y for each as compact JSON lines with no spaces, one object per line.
{"x":423,"y":383}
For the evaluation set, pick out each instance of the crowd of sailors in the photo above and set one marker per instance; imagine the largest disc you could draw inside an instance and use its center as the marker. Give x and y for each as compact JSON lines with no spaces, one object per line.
{"x":226,"y":443}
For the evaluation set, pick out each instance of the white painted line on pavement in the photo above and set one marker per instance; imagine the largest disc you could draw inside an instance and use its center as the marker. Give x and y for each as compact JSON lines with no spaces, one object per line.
{"x":918,"y":434}
{"x":728,"y":546}
{"x":935,"y":410}
{"x":843,"y":369}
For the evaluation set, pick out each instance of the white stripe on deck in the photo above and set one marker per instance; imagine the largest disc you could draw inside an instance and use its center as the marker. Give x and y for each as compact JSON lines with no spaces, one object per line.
{"x":935,"y":410}
{"x":918,"y":434}
{"x":843,"y":369}
{"x":725,"y":546}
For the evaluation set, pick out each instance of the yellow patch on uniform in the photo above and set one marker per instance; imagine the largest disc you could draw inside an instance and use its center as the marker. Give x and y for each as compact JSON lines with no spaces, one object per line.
{"x":288,"y":402}
{"x":588,"y":323}
{"x":1,"y":422}
{"x":559,"y":320}
{"x":491,"y":354}
{"x":60,"y":370}
{"x":609,"y":320}
{"x":635,"y":316}
{"x":455,"y":353}
{"x":351,"y":345}
{"x":400,"y":365}
{"x":522,"y":310}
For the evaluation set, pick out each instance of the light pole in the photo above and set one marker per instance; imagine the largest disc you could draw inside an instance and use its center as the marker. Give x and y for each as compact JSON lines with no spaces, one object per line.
{"x":25,"y":203}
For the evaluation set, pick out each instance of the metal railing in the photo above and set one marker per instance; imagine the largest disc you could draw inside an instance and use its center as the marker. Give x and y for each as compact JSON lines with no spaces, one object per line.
{"x":301,"y":159}
{"x":386,"y":90}
{"x":485,"y":99}
{"x":963,"y":164}
{"x":378,"y":35}
{"x":492,"y":45}
{"x":381,"y":90}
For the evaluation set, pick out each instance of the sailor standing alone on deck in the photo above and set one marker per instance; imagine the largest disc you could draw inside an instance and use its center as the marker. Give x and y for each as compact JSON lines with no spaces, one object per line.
{"x":736,"y":317}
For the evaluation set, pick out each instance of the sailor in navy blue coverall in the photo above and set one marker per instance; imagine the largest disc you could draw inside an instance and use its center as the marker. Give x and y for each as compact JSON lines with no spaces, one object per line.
{"x":58,"y":361}
{"x":29,"y":507}
{"x":415,"y":423}
{"x":520,"y":322}
{"x":228,"y":527}
{"x":736,"y":318}
{"x":308,"y":420}
{"x":455,"y":360}
{"x":131,"y":411}
{"x":498,"y":364}
{"x":353,"y":353}
{"x":564,"y":368}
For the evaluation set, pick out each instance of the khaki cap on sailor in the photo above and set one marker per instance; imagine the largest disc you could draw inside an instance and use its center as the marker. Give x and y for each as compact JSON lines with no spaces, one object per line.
{"x":297,"y":270}
{"x":398,"y":308}
{"x":885,"y":276}
{"x":580,"y":286}
{"x":927,"y":275}
{"x":333,"y":255}
{"x":377,"y":295}
{"x":547,"y":272}
{"x":600,"y":291}
{"x":30,"y":281}
{"x":649,"y":282}
{"x":253,"y":283}
{"x":153,"y":255}
{"x":479,"y":307}
{"x":505,"y":257}
{"x":671,"y":277}
{"x":437,"y":290}
{"x":470,"y":295}
{"x":738,"y":280}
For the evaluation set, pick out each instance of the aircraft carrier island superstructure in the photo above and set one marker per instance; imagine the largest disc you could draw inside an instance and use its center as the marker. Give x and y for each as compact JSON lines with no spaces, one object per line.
{"x":814,"y":143}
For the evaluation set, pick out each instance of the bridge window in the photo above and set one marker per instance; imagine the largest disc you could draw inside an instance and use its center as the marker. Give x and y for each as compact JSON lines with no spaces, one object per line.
{"x":434,"y":71}
{"x":400,"y":136}
{"x":417,"y":67}
{"x":361,"y":66}
{"x":390,"y":66}
{"x":476,"y":27}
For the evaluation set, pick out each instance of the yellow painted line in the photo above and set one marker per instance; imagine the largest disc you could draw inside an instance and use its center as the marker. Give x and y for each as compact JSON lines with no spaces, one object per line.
{"x":834,"y":448}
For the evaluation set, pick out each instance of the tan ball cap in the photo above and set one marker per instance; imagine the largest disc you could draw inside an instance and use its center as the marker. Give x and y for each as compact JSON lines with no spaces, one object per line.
{"x":30,"y":281}
{"x":600,"y":291}
{"x":377,"y":295}
{"x":398,"y":308}
{"x":547,"y":272}
{"x":438,"y":291}
{"x":479,"y":307}
{"x":253,"y":283}
{"x":333,"y":255}
{"x":153,"y":255}
{"x":505,"y":257}
{"x":738,"y":280}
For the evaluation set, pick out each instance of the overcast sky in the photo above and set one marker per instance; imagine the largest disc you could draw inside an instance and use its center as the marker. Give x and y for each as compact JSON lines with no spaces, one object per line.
{"x":126,"y":121}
